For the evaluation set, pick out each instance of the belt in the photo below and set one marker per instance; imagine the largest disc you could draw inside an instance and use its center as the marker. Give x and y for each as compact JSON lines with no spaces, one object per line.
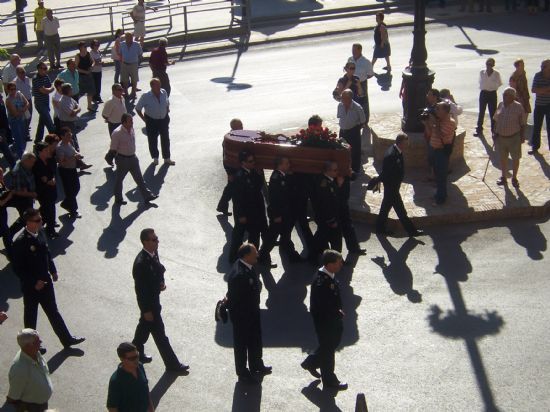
{"x":130,"y":63}
{"x":354,"y":127}
{"x":127,"y":156}
{"x":511,"y":135}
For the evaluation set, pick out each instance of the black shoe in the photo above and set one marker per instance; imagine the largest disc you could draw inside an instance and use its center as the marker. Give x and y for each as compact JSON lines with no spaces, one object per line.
{"x":42,"y":350}
{"x":151,"y":198}
{"x":248,"y":379}
{"x":75,"y":340}
{"x":120,"y":202}
{"x":295,"y":257}
{"x":311,"y":370}
{"x":417,"y":232}
{"x":143,"y":358}
{"x":224,"y":212}
{"x":181,"y":368}
{"x":74,"y":215}
{"x":264,"y":370}
{"x":533,"y":152}
{"x":339,"y":386}
{"x":478,"y":132}
{"x":358,"y":251}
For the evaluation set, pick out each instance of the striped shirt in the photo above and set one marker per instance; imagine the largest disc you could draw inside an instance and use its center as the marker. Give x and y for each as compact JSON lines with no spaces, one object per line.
{"x":443,"y":134}
{"x":540,"y":81}
{"x":65,"y":108}
{"x":37,"y":83}
{"x":509,"y":119}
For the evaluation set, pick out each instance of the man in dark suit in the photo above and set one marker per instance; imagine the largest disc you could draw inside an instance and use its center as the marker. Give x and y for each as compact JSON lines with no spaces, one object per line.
{"x":36,"y":270}
{"x":227,"y":194}
{"x":326,"y":310}
{"x":344,"y":216}
{"x":243,"y":301}
{"x":148,"y":275}
{"x":248,"y":205}
{"x":393,"y":171}
{"x":325,"y":205}
{"x":279,"y":210}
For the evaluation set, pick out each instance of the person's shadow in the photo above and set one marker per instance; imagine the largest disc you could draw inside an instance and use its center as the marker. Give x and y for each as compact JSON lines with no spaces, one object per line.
{"x":324,"y":399}
{"x":100,"y":198}
{"x":59,"y":246}
{"x":223,"y":265}
{"x":161,"y":387}
{"x":10,"y":287}
{"x":246,"y":398}
{"x":155,"y":181}
{"x":397,"y":273}
{"x":57,"y":360}
{"x":114,"y":234}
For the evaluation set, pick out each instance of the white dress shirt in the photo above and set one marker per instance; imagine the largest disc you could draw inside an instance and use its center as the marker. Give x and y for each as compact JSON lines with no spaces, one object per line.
{"x":489,"y":83}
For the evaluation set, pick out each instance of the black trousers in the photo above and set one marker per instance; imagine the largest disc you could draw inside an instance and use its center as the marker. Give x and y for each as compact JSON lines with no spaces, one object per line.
{"x":111,"y":127}
{"x":283,"y":229}
{"x":97,"y":83}
{"x":47,"y":210}
{"x":254,"y":226}
{"x":247,"y":341}
{"x":299,"y":214}
{"x":21,"y":406}
{"x":71,"y":187}
{"x":329,"y":335}
{"x":327,"y":236}
{"x":392,"y":198}
{"x":154,"y":128}
{"x":45,"y":298}
{"x":155,"y":328}
{"x":353,"y":137}
{"x":348,"y":231}
{"x":227,"y":193}
{"x":539,"y":114}
{"x":487,"y":98}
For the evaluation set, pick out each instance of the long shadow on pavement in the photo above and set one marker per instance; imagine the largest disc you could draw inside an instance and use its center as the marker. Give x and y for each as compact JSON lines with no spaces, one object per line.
{"x":246,"y":398}
{"x":324,"y":399}
{"x":10,"y":288}
{"x":161,"y":387}
{"x":57,"y":360}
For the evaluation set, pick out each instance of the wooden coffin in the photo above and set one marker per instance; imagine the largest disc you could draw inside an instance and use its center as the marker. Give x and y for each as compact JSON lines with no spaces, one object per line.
{"x":302,"y":159}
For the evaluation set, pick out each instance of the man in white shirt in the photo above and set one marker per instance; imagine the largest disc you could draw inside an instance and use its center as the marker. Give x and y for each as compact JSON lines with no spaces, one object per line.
{"x":24,"y":85}
{"x":363,"y":70}
{"x":114,"y":108}
{"x":351,"y":119}
{"x":489,"y":82}
{"x":50,"y":25}
{"x":9,"y":72}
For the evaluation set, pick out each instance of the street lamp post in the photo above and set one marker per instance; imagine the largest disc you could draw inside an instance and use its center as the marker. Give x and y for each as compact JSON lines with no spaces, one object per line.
{"x":418,"y":78}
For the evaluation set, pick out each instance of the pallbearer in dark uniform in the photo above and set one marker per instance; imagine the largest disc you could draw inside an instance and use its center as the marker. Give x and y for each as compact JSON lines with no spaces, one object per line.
{"x":35,"y":268}
{"x":148,"y":275}
{"x":344,"y":216}
{"x":243,"y":302}
{"x":280,"y":214}
{"x":227,"y":194}
{"x":326,"y":310}
{"x":393,"y":171}
{"x":325,"y":204}
{"x":248,"y":205}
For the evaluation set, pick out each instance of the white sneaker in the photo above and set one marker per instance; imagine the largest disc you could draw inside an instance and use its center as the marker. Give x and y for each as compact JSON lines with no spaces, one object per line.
{"x":155,"y":161}
{"x":169,"y":162}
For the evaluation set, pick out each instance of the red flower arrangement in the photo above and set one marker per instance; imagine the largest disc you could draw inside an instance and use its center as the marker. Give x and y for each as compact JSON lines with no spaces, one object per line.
{"x":318,"y":137}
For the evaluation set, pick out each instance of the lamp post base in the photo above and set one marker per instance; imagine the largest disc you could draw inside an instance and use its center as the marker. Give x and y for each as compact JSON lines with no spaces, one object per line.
{"x":417,"y":84}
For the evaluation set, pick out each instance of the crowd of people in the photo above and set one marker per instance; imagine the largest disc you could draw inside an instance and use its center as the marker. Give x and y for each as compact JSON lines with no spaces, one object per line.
{"x":290,"y":197}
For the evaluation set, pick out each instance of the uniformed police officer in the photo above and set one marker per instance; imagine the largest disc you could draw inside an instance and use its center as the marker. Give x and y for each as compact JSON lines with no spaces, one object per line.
{"x":248,"y":205}
{"x":36,"y":270}
{"x":243,"y":302}
{"x":327,"y":313}
{"x":148,"y":275}
{"x":326,"y":211}
{"x":344,"y":216}
{"x":280,"y":214}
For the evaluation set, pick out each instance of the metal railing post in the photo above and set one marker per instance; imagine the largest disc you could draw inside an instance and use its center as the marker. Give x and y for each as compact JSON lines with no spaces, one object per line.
{"x":185,"y":19}
{"x":111,"y":19}
{"x":170,"y":13}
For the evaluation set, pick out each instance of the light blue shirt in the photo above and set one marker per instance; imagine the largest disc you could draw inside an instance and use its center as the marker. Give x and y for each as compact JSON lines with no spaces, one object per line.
{"x":130,"y":54}
{"x":156,"y":108}
{"x":72,"y":78}
{"x":353,"y":117}
{"x":29,"y":379}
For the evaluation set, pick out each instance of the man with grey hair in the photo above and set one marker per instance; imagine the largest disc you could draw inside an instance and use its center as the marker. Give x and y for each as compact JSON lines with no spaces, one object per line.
{"x":9,"y":73}
{"x":351,"y":119}
{"x":29,"y":377}
{"x":158,"y":61}
{"x":509,"y":134}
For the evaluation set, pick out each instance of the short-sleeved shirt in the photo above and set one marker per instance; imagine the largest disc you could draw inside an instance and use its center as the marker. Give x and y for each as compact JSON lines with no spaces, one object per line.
{"x":18,"y":102}
{"x":123,"y":142}
{"x":30,"y":379}
{"x":443,"y":136}
{"x":66,"y":152}
{"x":509,"y":119}
{"x":130,"y":54}
{"x":50,"y":27}
{"x":126,"y":393}
{"x":56,"y":98}
{"x":540,"y":81}
{"x":113,"y":109}
{"x":73,"y":78}
{"x":489,"y":83}
{"x":66,"y":106}
{"x":354,"y":116}
{"x":37,"y":83}
{"x":156,"y":108}
{"x":20,"y":179}
{"x":24,"y":86}
{"x":139,"y":13}
{"x":8,"y":73}
{"x":363,"y":68}
{"x":158,"y":59}
{"x":39,"y":14}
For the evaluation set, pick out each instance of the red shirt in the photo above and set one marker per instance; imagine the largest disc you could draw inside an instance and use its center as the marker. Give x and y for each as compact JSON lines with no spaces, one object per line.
{"x":158,"y":59}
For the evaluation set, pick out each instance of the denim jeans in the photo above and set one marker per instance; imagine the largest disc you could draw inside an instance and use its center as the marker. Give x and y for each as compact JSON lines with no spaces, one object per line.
{"x":17,"y":126}
{"x":117,"y":71}
{"x":441,"y":166}
{"x":44,"y":119}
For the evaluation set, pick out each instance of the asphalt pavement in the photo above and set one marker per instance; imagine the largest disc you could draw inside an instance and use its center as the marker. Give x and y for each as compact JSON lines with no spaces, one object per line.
{"x":453,"y":322}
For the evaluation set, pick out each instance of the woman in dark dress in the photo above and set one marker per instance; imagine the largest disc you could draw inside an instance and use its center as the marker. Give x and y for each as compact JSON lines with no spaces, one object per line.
{"x":84,"y":63}
{"x":349,"y":81}
{"x":382,"y":47}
